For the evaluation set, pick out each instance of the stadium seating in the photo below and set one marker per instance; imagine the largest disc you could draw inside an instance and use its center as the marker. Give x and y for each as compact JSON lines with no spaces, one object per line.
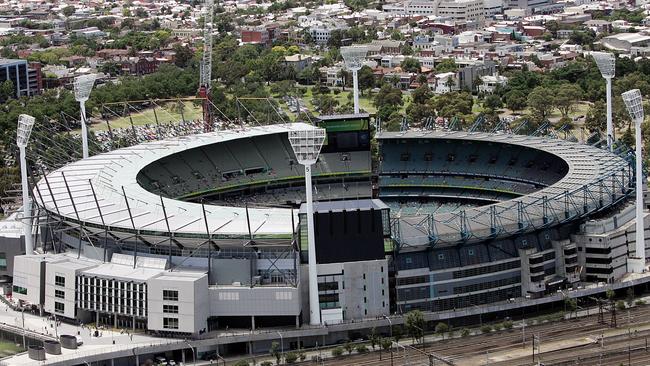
{"x":260,"y":161}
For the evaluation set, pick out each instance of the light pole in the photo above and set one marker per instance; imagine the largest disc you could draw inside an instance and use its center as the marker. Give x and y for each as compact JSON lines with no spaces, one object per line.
{"x":192,"y":349}
{"x":606,"y":63}
{"x":24,"y":130}
{"x":306,"y":146}
{"x":634,"y":105}
{"x":23,"y":316}
{"x":83,"y":84}
{"x":281,"y":344}
{"x":353,"y":57}
{"x":390,"y":323}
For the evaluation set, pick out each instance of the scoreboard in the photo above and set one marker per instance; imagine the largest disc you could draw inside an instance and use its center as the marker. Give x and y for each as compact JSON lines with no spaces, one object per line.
{"x":346,"y":132}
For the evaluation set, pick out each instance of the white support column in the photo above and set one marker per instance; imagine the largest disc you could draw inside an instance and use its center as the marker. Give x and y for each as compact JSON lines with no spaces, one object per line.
{"x":610,"y":124}
{"x":314,"y":303}
{"x":27,"y":204}
{"x":84,"y":129}
{"x":640,"y":237}
{"x":355,"y":88}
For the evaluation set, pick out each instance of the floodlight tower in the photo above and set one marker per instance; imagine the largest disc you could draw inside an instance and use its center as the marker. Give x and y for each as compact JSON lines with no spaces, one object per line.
{"x":83,"y":84}
{"x":353,"y":57}
{"x":25,"y":124}
{"x":306,"y":145}
{"x":634,"y":105}
{"x":205,"y":82}
{"x":606,"y":63}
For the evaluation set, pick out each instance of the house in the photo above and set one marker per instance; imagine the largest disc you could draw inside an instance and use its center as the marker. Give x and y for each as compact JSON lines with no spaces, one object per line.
{"x":330,"y":76}
{"x":490,"y":82}
{"x":298,"y":62}
{"x":444,"y":83}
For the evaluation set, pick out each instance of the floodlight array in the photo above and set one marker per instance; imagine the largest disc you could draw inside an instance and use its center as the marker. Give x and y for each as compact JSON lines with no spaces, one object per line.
{"x":83,"y":84}
{"x":25,"y":124}
{"x":353,"y":56}
{"x":306,"y":144}
{"x":634,"y":104}
{"x":606,"y":63}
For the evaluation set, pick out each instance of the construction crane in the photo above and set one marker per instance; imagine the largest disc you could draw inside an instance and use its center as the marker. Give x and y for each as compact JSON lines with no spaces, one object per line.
{"x":205,"y":84}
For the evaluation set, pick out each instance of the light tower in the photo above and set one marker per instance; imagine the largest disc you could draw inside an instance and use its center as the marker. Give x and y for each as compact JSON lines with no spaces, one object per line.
{"x":353,"y":57}
{"x":25,"y":124}
{"x":606,"y":63}
{"x":634,"y":105}
{"x":205,"y":82}
{"x":306,"y":145}
{"x":83,"y":84}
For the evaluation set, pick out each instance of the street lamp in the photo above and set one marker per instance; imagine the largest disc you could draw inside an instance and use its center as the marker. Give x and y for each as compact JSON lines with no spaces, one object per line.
{"x":83,"y":84}
{"x":634,"y":105}
{"x":24,"y":130}
{"x":353,"y":57}
{"x":606,"y":63}
{"x":306,"y":146}
{"x":390,"y":323}
{"x":281,"y":344}
{"x":192,"y":349}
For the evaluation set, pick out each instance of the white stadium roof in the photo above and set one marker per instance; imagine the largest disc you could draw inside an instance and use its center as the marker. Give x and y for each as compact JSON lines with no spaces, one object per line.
{"x":114,"y":172}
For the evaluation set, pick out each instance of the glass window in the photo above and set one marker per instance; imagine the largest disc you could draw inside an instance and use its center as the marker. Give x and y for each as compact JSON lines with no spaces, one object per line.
{"x":170,"y":295}
{"x":59,"y":281}
{"x":20,"y":290}
{"x":170,"y":323}
{"x":59,"y":307}
{"x":60,"y":294}
{"x":3,"y":261}
{"x":169,"y":309}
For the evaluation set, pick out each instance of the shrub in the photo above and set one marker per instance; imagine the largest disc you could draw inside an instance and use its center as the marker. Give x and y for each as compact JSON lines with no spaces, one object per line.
{"x":362,"y":348}
{"x":291,"y":357}
{"x":639,"y":302}
{"x":336,"y":352}
{"x":620,"y":305}
{"x":386,"y":343}
{"x":498,"y":326}
{"x":486,"y":329}
{"x":464,"y":332}
{"x":242,"y":363}
{"x":302,"y":356}
{"x":266,"y":363}
{"x":507,"y":324}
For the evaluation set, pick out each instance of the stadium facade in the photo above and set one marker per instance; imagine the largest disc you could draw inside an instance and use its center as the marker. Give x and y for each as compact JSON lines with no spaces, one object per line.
{"x":192,"y":234}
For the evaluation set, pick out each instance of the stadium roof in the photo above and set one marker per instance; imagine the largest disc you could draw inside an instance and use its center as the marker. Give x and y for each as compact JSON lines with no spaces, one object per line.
{"x":602,"y":172}
{"x":112,"y":173}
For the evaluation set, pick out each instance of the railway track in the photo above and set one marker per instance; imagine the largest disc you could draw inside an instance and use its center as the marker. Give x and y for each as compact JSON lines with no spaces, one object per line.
{"x":463,"y":350}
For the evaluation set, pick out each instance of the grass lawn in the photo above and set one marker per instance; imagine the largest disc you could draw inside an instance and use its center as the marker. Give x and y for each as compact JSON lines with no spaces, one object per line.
{"x":166,"y":113}
{"x":9,"y":348}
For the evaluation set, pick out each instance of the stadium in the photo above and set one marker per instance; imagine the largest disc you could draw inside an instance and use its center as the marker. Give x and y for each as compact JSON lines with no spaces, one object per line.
{"x":188,"y":235}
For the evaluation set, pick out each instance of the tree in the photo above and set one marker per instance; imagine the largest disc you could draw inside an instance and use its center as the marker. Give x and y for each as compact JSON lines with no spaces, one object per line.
{"x":464,"y":332}
{"x":415,"y":324}
{"x":596,"y":118}
{"x":620,"y":305}
{"x":492,"y":102}
{"x":630,"y":296}
{"x":291,"y":357}
{"x":337,"y":352}
{"x":386,"y":343}
{"x":516,"y":100}
{"x":610,"y":294}
{"x":541,"y":101}
{"x":627,"y":138}
{"x":411,"y":65}
{"x":7,"y":90}
{"x":374,"y":338}
{"x":366,"y":78}
{"x":446,"y":65}
{"x":349,"y":347}
{"x":344,"y":75}
{"x":397,"y":333}
{"x":566,"y":96}
{"x":276,"y":352}
{"x":388,"y":96}
{"x":486,"y":329}
{"x":422,"y":95}
{"x":183,"y":55}
{"x":442,"y":328}
{"x":68,"y":10}
{"x":361,"y":349}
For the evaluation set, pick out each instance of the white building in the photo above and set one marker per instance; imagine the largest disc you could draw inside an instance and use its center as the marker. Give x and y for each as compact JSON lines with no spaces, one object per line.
{"x":463,"y":11}
{"x":490,"y":82}
{"x":444,"y":83}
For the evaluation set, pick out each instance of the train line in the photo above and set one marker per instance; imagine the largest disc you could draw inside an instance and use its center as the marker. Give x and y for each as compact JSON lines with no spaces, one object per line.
{"x":479,"y":349}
